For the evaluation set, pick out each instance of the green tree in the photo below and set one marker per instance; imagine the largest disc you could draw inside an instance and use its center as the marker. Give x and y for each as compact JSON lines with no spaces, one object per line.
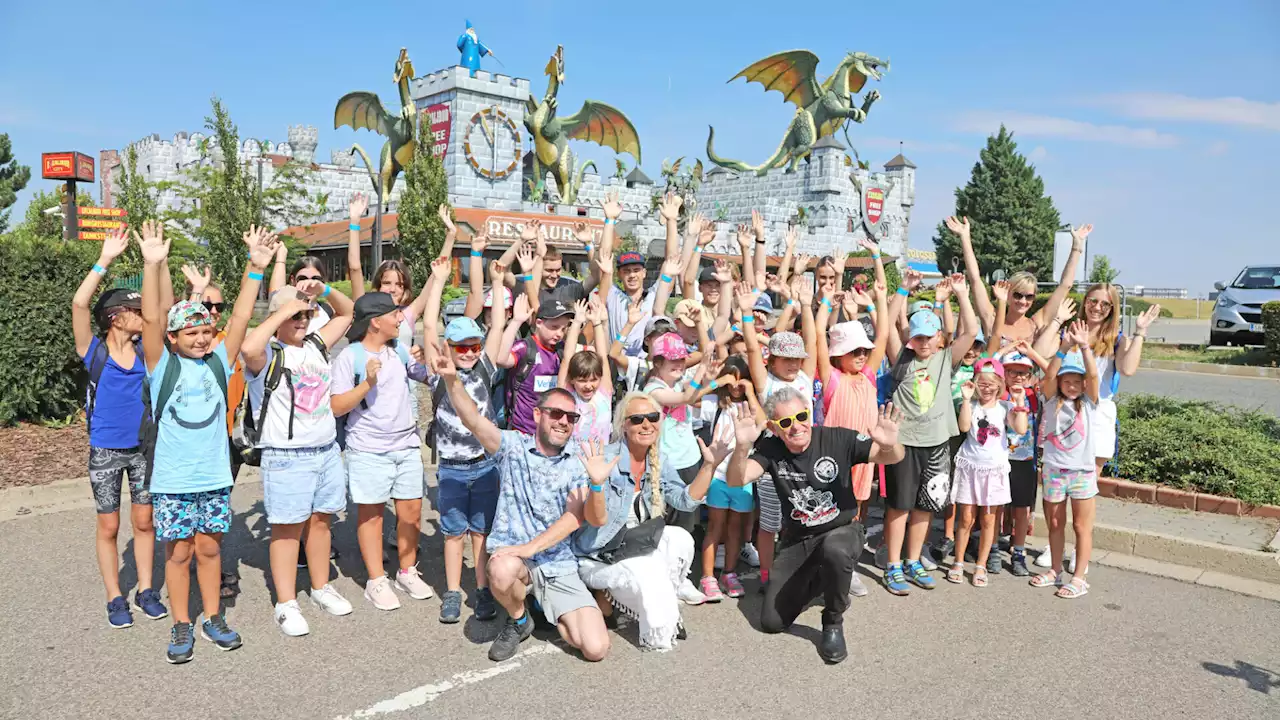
{"x":38,"y":223}
{"x":1013,"y":220}
{"x":425,"y":189}
{"x":1101,"y":270}
{"x":13,"y":177}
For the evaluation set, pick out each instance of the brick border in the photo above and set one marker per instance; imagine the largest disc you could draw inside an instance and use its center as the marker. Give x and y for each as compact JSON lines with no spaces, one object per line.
{"x":1182,"y":499}
{"x":1248,"y":371}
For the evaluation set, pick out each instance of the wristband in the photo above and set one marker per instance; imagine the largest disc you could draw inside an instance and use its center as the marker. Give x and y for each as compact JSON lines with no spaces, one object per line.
{"x":748,"y":319}
{"x":618,"y":337}
{"x":697,"y":248}
{"x":694,"y":384}
{"x":610,"y":221}
{"x":99,"y":269}
{"x":590,"y":248}
{"x":665,"y":278}
{"x":875,"y":256}
{"x":1061,"y":355}
{"x":477,"y":253}
{"x":827,"y":303}
{"x":714,"y":385}
{"x":871,"y":307}
{"x":525,"y":278}
{"x":255,"y":276}
{"x":939,"y":305}
{"x":1021,"y":408}
{"x":761,"y":242}
{"x":596,"y":488}
{"x":249,"y":255}
{"x":327,"y":289}
{"x":903,"y":292}
{"x":790,"y":302}
{"x":736,"y":328}
{"x":354,"y":226}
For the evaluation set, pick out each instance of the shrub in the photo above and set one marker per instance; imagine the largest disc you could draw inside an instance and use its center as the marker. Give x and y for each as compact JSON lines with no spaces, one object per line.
{"x":1201,"y":446}
{"x":1138,"y":306}
{"x":41,"y":377}
{"x":1271,"y":326}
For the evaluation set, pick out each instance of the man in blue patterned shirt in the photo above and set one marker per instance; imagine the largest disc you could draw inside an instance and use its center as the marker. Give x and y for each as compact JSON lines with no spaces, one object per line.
{"x":540,"y":504}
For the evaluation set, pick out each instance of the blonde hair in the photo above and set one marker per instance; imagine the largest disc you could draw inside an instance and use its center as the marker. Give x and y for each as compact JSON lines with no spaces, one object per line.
{"x":1104,"y":344}
{"x":1022,"y":279}
{"x":656,"y":504}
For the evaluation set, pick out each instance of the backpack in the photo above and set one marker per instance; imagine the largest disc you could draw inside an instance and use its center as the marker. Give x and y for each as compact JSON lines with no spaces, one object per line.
{"x":248,"y":430}
{"x":168,"y":382}
{"x":518,"y":374}
{"x":359,"y":359}
{"x":98,"y":364}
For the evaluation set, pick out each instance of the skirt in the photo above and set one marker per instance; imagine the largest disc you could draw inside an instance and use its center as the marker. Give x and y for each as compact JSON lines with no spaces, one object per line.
{"x":644,"y":587}
{"x":978,"y":485}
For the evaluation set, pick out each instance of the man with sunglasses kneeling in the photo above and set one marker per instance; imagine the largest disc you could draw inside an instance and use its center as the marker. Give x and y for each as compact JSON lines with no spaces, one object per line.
{"x":809,"y":468}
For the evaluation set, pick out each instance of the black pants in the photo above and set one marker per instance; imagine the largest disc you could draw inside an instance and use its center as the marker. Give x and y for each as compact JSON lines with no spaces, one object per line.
{"x":685,"y":520}
{"x":820,"y":565}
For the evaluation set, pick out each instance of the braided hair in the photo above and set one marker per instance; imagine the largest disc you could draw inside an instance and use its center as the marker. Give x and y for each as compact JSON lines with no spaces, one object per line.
{"x":657,"y":506}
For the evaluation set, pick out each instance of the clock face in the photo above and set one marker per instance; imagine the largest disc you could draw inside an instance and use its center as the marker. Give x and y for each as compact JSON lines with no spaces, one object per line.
{"x":492,"y":143}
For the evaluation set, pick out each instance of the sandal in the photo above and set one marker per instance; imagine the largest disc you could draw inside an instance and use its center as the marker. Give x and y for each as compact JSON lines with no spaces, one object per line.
{"x":956,"y":573}
{"x":230,"y":586}
{"x":979,"y":577}
{"x":1072,"y":590}
{"x":1048,"y":579}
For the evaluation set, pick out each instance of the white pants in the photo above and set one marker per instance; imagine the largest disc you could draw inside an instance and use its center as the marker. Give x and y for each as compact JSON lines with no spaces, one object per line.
{"x":644,"y":587}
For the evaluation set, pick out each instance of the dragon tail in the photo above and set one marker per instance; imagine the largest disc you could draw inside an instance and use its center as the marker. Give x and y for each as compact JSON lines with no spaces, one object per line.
{"x":778,"y":156}
{"x":582,"y":173}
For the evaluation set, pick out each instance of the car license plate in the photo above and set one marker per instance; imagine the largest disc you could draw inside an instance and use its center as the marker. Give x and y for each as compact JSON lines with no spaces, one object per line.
{"x":1255,"y":327}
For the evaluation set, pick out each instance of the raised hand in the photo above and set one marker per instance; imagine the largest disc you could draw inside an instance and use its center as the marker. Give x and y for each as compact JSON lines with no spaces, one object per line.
{"x":967,"y":390}
{"x":1079,"y":333}
{"x":1079,"y":235}
{"x":880,"y":290}
{"x":604,"y":261}
{"x":357,"y":206}
{"x":199,"y":281}
{"x":695,"y":225}
{"x":746,"y":297}
{"x":757,"y":224}
{"x":497,"y":271}
{"x":869,"y":245}
{"x":911,"y":280}
{"x":310,"y":288}
{"x":959,"y":226}
{"x":522,"y":311}
{"x":596,"y":311}
{"x":529,"y":233}
{"x":959,"y":285}
{"x":1066,"y":311}
{"x":1143,"y":321}
{"x":295,"y":306}
{"x":720,"y":447}
{"x":1018,"y":395}
{"x":722,"y":271}
{"x":1001,"y":291}
{"x":743,"y":235}
{"x":155,"y":249}
{"x":440,"y":268}
{"x":670,"y":207}
{"x":579,"y":312}
{"x":672,"y":266}
{"x":262,"y":245}
{"x":693,"y":315}
{"x":480,"y":242}
{"x":443,"y":366}
{"x":446,"y":219}
{"x":371,"y":369}
{"x":612,"y":208}
{"x":859,"y":298}
{"x":593,"y":460}
{"x":841,"y":258}
{"x":801,"y":263}
{"x":113,"y":246}
{"x":942,"y":291}
{"x":706,"y":234}
{"x":885,"y":433}
{"x":527,"y":256}
{"x":418,"y":354}
{"x":805,"y":295}
{"x":635,"y":313}
{"x":793,"y":237}
{"x":851,"y":302}
{"x":582,"y":233}
{"x":282,"y":253}
{"x":745,"y":430}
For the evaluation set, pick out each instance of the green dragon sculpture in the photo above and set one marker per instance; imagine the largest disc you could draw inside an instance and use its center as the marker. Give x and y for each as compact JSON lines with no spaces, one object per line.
{"x":821,"y":107}
{"x":363,"y":110}
{"x":595,"y":122}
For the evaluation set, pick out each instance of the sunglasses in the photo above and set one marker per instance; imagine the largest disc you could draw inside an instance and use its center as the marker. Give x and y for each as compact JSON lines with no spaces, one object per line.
{"x":786,"y":422}
{"x":556,"y":415}
{"x":651,"y":418}
{"x":308,"y":277}
{"x":471,"y":348}
{"x":214,"y":306}
{"x":1098,"y":303}
{"x":1024,"y":296}
{"x":304,"y":315}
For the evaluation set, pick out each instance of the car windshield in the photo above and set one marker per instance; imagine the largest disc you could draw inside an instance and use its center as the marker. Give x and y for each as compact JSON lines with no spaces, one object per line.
{"x":1258,"y":278}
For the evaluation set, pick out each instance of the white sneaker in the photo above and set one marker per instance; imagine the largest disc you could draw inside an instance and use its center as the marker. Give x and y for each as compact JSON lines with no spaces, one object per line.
{"x":1071,"y":564}
{"x":926,"y":559}
{"x":749,"y":555}
{"x":289,"y":618}
{"x":379,"y":593}
{"x":1045,"y":559}
{"x":856,"y":588}
{"x":689,"y":594}
{"x":719,"y":557}
{"x":410,"y":581}
{"x":328,"y":600}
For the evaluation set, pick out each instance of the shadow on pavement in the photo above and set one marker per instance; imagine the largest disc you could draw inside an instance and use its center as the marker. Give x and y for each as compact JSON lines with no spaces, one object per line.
{"x":1258,"y":679}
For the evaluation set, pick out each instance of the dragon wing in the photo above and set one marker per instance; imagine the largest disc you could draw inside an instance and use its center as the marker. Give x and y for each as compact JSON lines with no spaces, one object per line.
{"x":792,"y":73}
{"x":362,"y":110}
{"x":603,"y":124}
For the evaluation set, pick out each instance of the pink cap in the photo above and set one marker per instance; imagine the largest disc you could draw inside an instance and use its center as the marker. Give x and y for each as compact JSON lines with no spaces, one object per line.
{"x":669,"y":346}
{"x":988,"y":365}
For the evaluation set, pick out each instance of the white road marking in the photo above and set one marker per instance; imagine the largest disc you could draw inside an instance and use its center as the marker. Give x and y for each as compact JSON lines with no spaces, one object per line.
{"x":424,"y":694}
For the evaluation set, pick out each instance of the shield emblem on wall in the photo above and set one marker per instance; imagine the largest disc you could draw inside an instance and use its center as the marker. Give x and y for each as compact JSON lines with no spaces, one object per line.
{"x":873,"y":197}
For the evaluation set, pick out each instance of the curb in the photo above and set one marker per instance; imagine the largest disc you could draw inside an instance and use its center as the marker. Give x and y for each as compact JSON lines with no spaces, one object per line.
{"x":1182,"y":499}
{"x":1248,"y":371}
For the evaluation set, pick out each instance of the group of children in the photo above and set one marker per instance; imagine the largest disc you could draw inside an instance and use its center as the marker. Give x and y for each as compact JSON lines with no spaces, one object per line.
{"x":172,"y":412}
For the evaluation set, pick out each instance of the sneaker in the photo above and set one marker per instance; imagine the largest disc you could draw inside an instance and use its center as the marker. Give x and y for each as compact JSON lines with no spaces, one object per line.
{"x":1044,"y":559}
{"x":1071,"y":564}
{"x":329,"y":600}
{"x":1018,"y":566}
{"x":215,"y":630}
{"x":289,"y":618}
{"x":916,"y":573}
{"x":118,"y":613}
{"x":148,"y":601}
{"x":508,"y":641}
{"x":732,"y":585}
{"x":451,"y":607}
{"x":378,"y":592}
{"x":856,"y":587}
{"x":895,"y":582}
{"x":943,"y":548}
{"x":1005,"y":542}
{"x":486,"y":606}
{"x":993,"y":562}
{"x":882,"y":557}
{"x":719,"y":557}
{"x":750,"y":555}
{"x":410,"y":581}
{"x":710,"y":590}
{"x":926,"y":559}
{"x":689,"y":594}
{"x":182,"y":643}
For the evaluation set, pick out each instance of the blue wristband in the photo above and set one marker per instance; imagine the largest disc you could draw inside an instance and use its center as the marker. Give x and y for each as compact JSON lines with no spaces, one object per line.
{"x":618,"y":337}
{"x":477,"y":253}
{"x":525,"y":278}
{"x":875,"y":256}
{"x":748,"y":318}
{"x":326,"y":291}
{"x":590,"y":248}
{"x":903,"y":292}
{"x":99,"y":269}
{"x":354,"y":226}
{"x":610,"y":221}
{"x":939,"y":304}
{"x":666,"y":278}
{"x":736,"y":328}
{"x":255,"y":276}
{"x":790,"y":302}
{"x":1061,"y":355}
{"x":697,"y":248}
{"x":827,"y":303}
{"x":248,"y":255}
{"x":694,"y":384}
{"x":871,"y":307}
{"x":596,"y":488}
{"x":714,"y":384}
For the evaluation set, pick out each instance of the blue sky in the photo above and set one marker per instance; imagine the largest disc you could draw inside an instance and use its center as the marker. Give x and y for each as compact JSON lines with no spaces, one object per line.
{"x":1159,"y":122}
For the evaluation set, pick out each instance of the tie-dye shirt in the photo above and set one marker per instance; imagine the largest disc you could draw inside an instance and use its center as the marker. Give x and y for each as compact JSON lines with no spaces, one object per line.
{"x":920,"y":384}
{"x":304,"y":392}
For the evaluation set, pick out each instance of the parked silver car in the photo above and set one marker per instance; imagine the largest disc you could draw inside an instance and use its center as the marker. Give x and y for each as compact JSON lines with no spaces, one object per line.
{"x":1237,"y":316}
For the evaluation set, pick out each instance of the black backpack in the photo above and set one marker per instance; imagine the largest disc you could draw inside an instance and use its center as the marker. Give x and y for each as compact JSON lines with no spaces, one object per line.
{"x":248,"y":430}
{"x":168,"y":381}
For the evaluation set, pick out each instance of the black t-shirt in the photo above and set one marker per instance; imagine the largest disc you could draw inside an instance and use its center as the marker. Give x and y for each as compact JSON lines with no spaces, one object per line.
{"x":567,"y":291}
{"x":815,"y":487}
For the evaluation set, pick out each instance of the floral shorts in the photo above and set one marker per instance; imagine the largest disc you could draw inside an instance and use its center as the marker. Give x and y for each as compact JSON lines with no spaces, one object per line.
{"x":1061,"y":484}
{"x":178,"y":516}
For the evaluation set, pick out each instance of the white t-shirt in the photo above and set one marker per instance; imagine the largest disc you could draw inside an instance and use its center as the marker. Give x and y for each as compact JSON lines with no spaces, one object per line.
{"x":990,"y":425}
{"x":1106,"y":375}
{"x":307,"y":372}
{"x":803,"y":384}
{"x":319,"y":320}
{"x":1065,"y":439}
{"x":726,"y":419}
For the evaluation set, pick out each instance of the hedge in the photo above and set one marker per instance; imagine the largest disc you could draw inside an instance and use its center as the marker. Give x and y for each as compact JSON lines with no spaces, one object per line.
{"x":41,"y":377}
{"x":1271,"y":326}
{"x":1201,"y":446}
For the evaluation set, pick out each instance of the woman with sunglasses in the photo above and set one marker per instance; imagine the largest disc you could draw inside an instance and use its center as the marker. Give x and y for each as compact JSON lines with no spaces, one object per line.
{"x":1019,"y":322}
{"x":640,"y":489}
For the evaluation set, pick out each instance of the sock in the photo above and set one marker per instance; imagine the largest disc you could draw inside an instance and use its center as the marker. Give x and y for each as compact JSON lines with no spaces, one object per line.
{"x":764,"y":576}
{"x":1019,"y":550}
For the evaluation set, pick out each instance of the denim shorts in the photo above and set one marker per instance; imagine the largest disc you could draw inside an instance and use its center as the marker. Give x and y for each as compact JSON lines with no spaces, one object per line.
{"x":375,"y":478}
{"x":722,"y":496}
{"x":468,"y":497}
{"x":297,"y":482}
{"x":178,"y":516}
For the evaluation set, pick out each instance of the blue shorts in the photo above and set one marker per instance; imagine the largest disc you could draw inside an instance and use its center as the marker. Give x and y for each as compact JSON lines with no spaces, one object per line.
{"x":722,"y":496}
{"x":297,"y":482}
{"x":468,"y":497}
{"x":178,"y":516}
{"x":375,"y":478}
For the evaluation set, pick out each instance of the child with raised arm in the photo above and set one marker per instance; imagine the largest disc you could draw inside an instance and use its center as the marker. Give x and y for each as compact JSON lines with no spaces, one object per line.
{"x":191,"y":474}
{"x":585,"y":373}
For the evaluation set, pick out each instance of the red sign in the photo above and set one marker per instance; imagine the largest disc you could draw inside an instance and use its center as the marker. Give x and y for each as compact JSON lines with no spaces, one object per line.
{"x":101,"y":211}
{"x":873,"y":201}
{"x":438,"y":122}
{"x":506,"y":226}
{"x":92,"y":235}
{"x":96,"y":223}
{"x":66,"y":166}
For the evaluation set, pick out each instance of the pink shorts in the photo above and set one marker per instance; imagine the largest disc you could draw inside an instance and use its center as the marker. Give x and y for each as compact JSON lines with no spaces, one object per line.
{"x":1059,"y":484}
{"x":978,"y":485}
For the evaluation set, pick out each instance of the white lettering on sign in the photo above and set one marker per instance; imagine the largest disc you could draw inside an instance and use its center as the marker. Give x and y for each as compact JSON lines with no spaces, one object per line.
{"x":502,"y":228}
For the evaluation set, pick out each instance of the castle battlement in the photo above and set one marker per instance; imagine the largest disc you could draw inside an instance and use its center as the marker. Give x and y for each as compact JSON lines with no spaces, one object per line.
{"x":459,"y":78}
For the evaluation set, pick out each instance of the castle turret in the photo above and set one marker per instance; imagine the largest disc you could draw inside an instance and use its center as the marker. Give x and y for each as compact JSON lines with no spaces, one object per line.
{"x":303,"y":139}
{"x":903,"y":173}
{"x":824,"y":172}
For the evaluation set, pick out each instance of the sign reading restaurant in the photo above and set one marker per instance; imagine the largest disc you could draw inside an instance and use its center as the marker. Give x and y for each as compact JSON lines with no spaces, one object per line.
{"x":507,"y":226}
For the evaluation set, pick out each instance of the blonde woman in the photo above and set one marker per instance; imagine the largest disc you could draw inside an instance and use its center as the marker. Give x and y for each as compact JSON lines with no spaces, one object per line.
{"x":640,"y":563}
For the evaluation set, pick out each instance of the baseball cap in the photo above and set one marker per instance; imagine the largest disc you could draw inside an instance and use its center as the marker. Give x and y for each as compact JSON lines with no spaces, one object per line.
{"x":552,"y":309}
{"x":682,"y":308}
{"x":506,"y":297}
{"x":707,"y":274}
{"x":188,"y":314}
{"x":787,"y":345}
{"x":630,"y":258}
{"x":282,"y":296}
{"x":923,"y":322}
{"x":670,"y":346}
{"x":462,"y":329}
{"x":113,"y":301}
{"x":659,"y":323}
{"x":919,"y":305}
{"x":846,"y":337}
{"x":764,"y":303}
{"x":368,"y":307}
{"x":1017,"y":358}
{"x":988,"y":365}
{"x":1072,"y":364}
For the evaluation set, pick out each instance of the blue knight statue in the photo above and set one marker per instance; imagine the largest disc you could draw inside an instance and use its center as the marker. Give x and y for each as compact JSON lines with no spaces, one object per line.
{"x":472,"y":49}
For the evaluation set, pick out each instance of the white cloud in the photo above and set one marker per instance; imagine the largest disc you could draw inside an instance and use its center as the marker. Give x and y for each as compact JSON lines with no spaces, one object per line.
{"x":1215,"y":111}
{"x":1218,"y":148}
{"x":1038,"y":153}
{"x":1029,"y":125}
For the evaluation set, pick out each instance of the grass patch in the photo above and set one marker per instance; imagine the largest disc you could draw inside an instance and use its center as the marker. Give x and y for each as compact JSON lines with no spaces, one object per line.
{"x":1256,"y":357}
{"x":1182,"y":309}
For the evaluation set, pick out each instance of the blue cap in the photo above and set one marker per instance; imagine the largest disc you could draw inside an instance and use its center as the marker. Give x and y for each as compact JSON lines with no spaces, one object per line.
{"x":924,"y":322}
{"x":764,"y":302}
{"x":980,"y":338}
{"x":1073,"y":363}
{"x":461,"y":329}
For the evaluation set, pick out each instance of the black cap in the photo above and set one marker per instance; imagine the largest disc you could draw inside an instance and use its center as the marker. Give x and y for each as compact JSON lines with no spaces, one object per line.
{"x":114,"y":300}
{"x":552,"y":309}
{"x":708,"y":274}
{"x":368,"y":307}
